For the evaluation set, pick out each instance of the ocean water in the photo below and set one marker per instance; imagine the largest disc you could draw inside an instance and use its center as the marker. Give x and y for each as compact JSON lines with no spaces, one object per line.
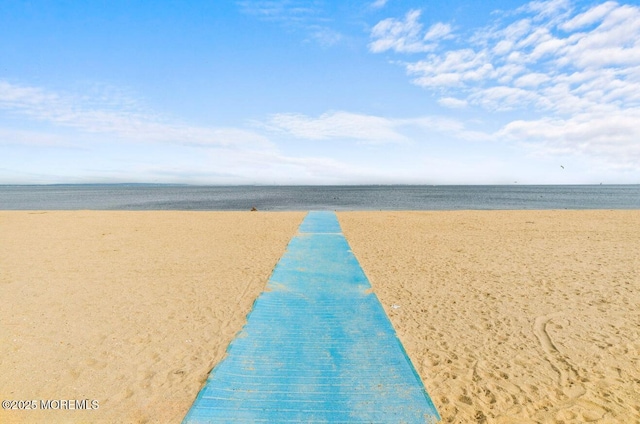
{"x":340,"y":198}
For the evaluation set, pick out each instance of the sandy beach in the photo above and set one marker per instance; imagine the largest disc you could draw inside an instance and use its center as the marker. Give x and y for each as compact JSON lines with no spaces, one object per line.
{"x":514,"y":316}
{"x":132,"y":309}
{"x":508,"y":316}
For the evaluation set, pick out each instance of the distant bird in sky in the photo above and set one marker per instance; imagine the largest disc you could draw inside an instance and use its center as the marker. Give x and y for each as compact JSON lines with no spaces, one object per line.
{"x":561,"y":166}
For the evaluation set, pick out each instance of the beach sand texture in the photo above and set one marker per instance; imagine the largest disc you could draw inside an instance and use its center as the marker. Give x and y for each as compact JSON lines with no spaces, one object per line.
{"x":508,"y":316}
{"x":132,"y":309}
{"x":513,"y":316}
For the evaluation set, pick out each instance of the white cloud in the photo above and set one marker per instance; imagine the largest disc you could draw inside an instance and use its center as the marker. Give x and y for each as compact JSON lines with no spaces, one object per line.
{"x":295,"y":15}
{"x":573,"y":69}
{"x":327,"y":37}
{"x":589,"y":17}
{"x":229,"y":166}
{"x":107,"y":117}
{"x":33,"y":138}
{"x":406,"y":36}
{"x":339,"y":125}
{"x":233,"y":155}
{"x":371,"y":129}
{"x":454,"y":68}
{"x":530,"y":53}
{"x":437,"y":31}
{"x":533,"y":80}
{"x":443,"y":126}
{"x":303,"y":170}
{"x":278,"y":10}
{"x":453,"y":103}
{"x":547,"y":8}
{"x":250,"y":167}
{"x":503,"y":98}
{"x":378,"y":4}
{"x":611,"y":138}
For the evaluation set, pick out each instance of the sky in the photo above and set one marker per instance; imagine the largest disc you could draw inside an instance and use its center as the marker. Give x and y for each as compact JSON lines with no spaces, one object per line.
{"x":320,"y":92}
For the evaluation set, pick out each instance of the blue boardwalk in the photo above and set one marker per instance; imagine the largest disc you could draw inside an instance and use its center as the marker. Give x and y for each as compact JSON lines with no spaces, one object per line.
{"x":317,"y":347}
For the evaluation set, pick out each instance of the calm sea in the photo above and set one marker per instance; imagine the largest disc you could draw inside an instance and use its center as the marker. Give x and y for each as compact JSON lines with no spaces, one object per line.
{"x":279,"y":198}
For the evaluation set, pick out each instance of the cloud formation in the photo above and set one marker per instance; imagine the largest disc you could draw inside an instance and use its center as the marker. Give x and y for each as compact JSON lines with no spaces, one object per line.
{"x":366,"y":129}
{"x":279,"y":10}
{"x":377,"y":4}
{"x":296,"y":15}
{"x":233,"y":155}
{"x":110,"y":116}
{"x":577,"y":71}
{"x":407,"y":36}
{"x":369,"y":129}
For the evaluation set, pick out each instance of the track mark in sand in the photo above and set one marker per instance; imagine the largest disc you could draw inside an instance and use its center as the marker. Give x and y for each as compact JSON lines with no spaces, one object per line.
{"x":568,"y":377}
{"x":238,"y":300}
{"x":243,"y":293}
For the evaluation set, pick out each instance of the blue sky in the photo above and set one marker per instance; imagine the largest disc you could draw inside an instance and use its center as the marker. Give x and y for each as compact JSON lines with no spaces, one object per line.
{"x":320,"y":92}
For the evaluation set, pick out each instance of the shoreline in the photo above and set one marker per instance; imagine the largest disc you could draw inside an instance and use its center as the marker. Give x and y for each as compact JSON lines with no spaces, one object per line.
{"x":302,"y":198}
{"x":510,"y":315}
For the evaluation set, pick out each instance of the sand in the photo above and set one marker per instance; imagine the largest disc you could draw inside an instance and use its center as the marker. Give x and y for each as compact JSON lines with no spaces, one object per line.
{"x":132,"y":309}
{"x":513,"y":317}
{"x":509,"y":317}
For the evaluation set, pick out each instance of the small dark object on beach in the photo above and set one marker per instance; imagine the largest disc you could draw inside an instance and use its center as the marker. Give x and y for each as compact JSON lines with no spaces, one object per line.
{"x":253,"y":209}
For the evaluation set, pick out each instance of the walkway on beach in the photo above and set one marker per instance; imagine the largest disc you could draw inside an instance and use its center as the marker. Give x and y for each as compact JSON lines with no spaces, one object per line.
{"x":317,"y":346}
